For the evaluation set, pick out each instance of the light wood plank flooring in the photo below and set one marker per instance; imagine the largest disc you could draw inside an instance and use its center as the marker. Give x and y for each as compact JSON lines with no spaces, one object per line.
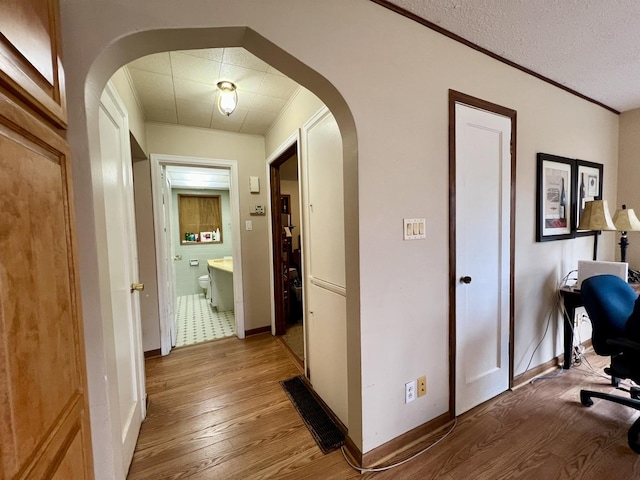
{"x":217,"y":411}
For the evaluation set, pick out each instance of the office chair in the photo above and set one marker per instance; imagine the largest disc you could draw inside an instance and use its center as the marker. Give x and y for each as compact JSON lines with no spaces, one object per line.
{"x":614,"y":310}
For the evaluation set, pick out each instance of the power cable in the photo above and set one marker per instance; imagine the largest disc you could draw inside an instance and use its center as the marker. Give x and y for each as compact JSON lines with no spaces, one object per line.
{"x":389,"y":467}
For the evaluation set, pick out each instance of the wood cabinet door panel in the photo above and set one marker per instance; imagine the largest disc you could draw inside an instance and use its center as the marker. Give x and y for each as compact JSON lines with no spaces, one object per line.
{"x":30,"y":65}
{"x":42,"y":359}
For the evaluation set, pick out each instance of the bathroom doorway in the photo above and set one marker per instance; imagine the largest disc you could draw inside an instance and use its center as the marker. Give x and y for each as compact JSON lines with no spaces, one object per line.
{"x":196,"y":211}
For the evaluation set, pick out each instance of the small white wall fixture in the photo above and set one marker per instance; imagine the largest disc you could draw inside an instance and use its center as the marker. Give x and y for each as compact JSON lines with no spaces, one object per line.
{"x":157,"y":161}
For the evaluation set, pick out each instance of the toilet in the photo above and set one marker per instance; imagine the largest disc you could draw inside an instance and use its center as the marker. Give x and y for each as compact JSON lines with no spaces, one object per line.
{"x":203,"y":280}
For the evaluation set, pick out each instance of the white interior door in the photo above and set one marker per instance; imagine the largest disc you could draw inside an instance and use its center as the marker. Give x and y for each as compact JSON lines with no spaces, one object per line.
{"x":169,"y":256}
{"x":123,"y":270}
{"x":483,"y":182}
{"x":324,"y":264}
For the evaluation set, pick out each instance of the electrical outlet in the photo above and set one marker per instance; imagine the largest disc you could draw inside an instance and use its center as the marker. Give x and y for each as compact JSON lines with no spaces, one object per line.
{"x":580,"y":316}
{"x":422,"y":386}
{"x":410,"y":391}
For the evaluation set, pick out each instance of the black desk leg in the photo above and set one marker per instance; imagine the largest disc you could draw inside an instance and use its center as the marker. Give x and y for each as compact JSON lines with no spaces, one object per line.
{"x":570,"y":313}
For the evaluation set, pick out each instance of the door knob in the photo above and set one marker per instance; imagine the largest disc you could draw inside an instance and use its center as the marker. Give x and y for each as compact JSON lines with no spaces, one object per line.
{"x":466,"y":279}
{"x":137,"y":286}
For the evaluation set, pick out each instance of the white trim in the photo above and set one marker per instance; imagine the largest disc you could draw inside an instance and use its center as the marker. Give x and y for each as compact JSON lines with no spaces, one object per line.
{"x":316,"y":118}
{"x":156,"y":160}
{"x":332,"y":287}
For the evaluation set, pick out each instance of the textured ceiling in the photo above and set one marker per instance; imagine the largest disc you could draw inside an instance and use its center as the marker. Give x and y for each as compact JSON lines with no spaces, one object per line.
{"x":180,"y":88}
{"x":590,"y":46}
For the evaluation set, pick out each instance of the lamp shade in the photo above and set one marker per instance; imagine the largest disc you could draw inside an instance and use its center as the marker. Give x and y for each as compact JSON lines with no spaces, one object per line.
{"x":596,"y":216}
{"x":227,"y":98}
{"x":626,"y":220}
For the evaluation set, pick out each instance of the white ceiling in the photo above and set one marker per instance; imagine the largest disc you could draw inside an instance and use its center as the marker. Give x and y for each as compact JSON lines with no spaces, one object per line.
{"x":180,"y":88}
{"x":590,"y":46}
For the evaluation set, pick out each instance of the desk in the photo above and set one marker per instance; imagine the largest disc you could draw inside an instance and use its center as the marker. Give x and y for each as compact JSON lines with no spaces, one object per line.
{"x":573,"y":300}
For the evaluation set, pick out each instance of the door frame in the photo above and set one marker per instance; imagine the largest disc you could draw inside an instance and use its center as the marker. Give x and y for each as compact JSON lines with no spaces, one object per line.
{"x":279,"y":322}
{"x":462,"y":98}
{"x":283,"y":153}
{"x":156,"y":161}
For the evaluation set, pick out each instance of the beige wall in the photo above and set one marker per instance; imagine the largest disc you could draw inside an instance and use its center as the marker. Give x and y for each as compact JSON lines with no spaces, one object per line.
{"x":248,"y":151}
{"x":122,"y":84}
{"x":145,"y":234}
{"x":628,"y":178}
{"x":396,"y":165}
{"x":303,"y":105}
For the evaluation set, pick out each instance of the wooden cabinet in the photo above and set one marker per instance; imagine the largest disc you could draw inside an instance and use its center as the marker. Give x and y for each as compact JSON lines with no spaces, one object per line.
{"x":30,"y":63}
{"x":44,"y":432}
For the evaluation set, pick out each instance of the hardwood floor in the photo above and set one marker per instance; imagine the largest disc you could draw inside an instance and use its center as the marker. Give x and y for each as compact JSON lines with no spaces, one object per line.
{"x":217,"y":411}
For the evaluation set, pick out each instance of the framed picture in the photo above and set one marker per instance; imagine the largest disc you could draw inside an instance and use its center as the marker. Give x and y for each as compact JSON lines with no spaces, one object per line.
{"x":555,"y":214}
{"x":588,"y":186}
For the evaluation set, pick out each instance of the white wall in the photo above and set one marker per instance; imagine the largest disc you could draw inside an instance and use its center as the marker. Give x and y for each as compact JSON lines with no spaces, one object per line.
{"x":396,"y":165}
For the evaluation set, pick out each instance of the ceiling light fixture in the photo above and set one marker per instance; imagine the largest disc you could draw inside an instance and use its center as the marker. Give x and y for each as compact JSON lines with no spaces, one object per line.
{"x":227,"y":98}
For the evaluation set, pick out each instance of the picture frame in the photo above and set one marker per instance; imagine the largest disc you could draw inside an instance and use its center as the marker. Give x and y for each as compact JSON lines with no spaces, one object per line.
{"x":587,"y":187}
{"x":555,"y":204}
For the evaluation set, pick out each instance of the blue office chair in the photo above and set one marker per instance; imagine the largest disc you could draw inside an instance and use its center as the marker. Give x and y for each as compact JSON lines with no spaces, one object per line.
{"x":614,"y":310}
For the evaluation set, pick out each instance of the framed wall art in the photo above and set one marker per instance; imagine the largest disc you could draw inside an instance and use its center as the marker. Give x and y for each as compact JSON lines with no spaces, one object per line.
{"x":555,"y":216}
{"x":588,"y":186}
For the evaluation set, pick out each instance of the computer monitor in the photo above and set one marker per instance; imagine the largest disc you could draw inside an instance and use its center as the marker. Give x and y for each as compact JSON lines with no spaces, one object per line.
{"x":588,"y":268}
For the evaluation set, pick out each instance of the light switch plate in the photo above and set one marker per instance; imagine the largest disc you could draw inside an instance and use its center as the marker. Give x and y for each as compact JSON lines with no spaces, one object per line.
{"x":415,"y":228}
{"x":254,"y":184}
{"x":248,"y":225}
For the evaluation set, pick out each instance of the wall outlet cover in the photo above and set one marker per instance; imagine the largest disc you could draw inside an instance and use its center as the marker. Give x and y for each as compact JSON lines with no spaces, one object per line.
{"x":410,"y":391}
{"x":422,"y":386}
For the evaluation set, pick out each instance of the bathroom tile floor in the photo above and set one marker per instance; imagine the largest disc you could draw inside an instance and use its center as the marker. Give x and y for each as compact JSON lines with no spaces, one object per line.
{"x":198,"y":322}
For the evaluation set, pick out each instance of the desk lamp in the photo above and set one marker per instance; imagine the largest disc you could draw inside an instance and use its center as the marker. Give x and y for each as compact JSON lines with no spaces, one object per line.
{"x":596,"y":216}
{"x":625,"y":221}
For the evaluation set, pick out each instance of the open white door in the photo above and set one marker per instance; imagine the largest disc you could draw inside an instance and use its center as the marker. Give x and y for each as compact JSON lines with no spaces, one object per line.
{"x":169,"y":256}
{"x":483,"y":213}
{"x":123,"y":270}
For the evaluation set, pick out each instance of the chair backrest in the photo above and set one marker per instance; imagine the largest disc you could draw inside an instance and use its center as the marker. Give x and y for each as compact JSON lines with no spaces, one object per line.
{"x":609,"y":301}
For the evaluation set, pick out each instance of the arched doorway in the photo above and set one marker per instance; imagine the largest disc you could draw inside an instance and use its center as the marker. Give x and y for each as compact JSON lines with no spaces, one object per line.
{"x":92,"y":249}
